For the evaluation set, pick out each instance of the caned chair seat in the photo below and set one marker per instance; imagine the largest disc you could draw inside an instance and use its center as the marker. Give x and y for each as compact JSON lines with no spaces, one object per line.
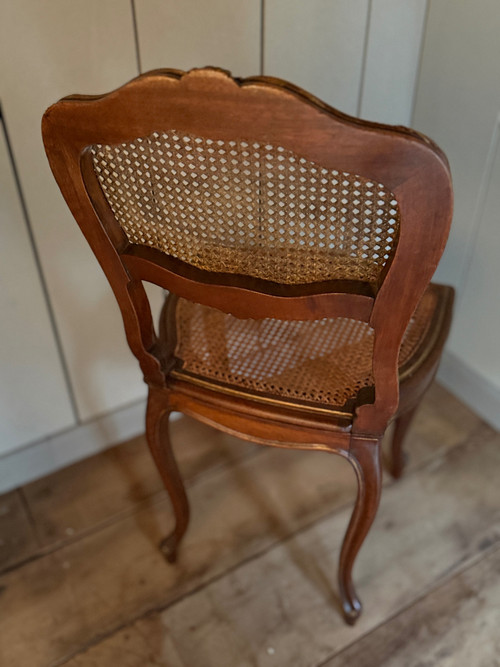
{"x":312,"y":364}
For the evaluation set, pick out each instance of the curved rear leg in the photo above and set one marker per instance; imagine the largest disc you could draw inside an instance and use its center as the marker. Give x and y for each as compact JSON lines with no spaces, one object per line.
{"x":158,"y":437}
{"x":365,"y":458}
{"x":397,"y":459}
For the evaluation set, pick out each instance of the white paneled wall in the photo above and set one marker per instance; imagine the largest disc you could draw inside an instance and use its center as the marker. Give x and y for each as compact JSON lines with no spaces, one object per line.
{"x":356,"y":54}
{"x":34,"y":396}
{"x":319,"y":45}
{"x":458,"y":104}
{"x":478,"y":313}
{"x":48,"y":50}
{"x":392,"y":59}
{"x":182,"y":35}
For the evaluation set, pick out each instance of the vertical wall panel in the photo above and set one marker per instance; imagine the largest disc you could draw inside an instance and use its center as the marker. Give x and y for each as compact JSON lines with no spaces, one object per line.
{"x":33,"y":393}
{"x":458,"y":105}
{"x":318,"y":45}
{"x":477,"y":325}
{"x":457,"y":101}
{"x":182,"y":35}
{"x":48,"y":50}
{"x":392,"y":60}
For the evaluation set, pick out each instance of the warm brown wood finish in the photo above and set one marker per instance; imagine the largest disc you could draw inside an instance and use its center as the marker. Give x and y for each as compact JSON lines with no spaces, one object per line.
{"x":209,"y":103}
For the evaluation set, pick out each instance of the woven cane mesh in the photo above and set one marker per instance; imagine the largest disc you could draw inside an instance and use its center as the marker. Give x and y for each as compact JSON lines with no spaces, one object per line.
{"x":318,"y":361}
{"x":249,"y":208}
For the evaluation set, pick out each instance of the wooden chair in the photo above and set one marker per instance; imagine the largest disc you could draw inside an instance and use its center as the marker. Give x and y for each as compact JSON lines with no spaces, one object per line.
{"x":297,"y":244}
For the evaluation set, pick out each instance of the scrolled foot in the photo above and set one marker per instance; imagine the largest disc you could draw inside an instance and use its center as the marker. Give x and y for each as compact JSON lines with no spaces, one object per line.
{"x":352,"y":610}
{"x":168,"y":547}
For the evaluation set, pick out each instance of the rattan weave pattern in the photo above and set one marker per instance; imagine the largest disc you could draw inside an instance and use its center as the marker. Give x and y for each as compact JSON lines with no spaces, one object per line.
{"x":248,"y":208}
{"x":318,"y":361}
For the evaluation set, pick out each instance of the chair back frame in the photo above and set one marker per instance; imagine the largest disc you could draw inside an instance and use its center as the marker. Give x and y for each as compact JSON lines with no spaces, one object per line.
{"x":210,"y":103}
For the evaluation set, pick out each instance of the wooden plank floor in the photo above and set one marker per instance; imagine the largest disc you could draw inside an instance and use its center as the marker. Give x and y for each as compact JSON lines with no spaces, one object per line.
{"x":82,"y":582}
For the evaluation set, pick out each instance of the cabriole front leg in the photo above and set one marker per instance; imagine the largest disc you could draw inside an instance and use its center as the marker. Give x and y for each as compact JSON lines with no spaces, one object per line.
{"x":364,"y":456}
{"x":158,"y":437}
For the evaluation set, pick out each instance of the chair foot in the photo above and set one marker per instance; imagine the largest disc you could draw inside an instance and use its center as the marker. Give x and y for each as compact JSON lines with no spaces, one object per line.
{"x":352,"y":610}
{"x":169,"y":546}
{"x":365,"y":458}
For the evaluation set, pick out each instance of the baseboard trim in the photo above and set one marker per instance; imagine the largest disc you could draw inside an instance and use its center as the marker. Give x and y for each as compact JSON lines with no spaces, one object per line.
{"x":60,"y":450}
{"x":470,"y":387}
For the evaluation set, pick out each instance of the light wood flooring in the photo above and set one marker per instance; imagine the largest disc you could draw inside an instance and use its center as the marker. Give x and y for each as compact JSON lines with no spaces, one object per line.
{"x":83,"y":584}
